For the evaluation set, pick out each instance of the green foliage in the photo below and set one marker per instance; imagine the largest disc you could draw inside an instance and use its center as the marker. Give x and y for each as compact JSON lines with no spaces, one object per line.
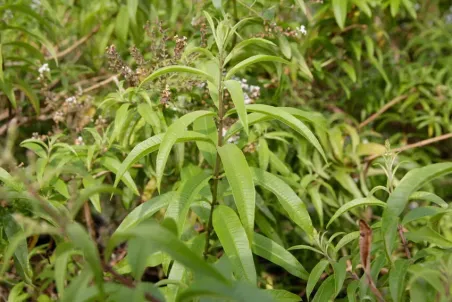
{"x":232,"y":151}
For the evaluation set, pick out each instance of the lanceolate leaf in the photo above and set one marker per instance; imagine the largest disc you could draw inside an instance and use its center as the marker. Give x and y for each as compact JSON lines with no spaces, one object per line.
{"x":270,"y":250}
{"x":166,"y":241}
{"x":174,"y":132}
{"x":81,"y":240}
{"x":253,"y":60}
{"x":314,"y":276}
{"x":14,"y":232}
{"x":428,"y":234}
{"x":427,"y":196}
{"x":206,"y":125}
{"x":397,"y":201}
{"x":235,"y":242}
{"x":325,"y":291}
{"x":293,"y":205}
{"x":178,"y":208}
{"x":177,"y":68}
{"x":340,"y":11}
{"x":289,"y":120}
{"x":113,"y":164}
{"x":152,"y":144}
{"x":145,"y":211}
{"x":397,"y":279}
{"x":240,"y":178}
{"x":247,"y":42}
{"x":366,"y":201}
{"x":235,"y":89}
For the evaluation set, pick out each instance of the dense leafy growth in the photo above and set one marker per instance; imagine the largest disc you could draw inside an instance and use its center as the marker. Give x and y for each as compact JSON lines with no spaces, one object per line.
{"x":225,"y":150}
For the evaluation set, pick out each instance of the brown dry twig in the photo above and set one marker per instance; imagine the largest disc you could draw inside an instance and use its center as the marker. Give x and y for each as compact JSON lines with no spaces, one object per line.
{"x":382,"y":110}
{"x":76,"y":44}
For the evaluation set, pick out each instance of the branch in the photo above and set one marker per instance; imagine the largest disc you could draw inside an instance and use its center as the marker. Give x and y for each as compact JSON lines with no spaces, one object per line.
{"x":76,"y":44}
{"x":382,"y":110}
{"x":414,"y":145}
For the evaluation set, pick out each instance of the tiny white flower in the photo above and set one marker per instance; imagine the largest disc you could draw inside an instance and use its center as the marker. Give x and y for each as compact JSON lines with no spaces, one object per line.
{"x":247,"y":99}
{"x":417,"y":6}
{"x":71,"y":100}
{"x":302,"y":30}
{"x":44,"y":69}
{"x":79,"y":141}
{"x":365,"y":140}
{"x":224,"y":131}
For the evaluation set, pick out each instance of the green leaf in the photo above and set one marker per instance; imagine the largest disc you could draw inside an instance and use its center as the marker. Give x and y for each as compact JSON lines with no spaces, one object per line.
{"x":120,"y":118}
{"x":305,"y":247}
{"x":132,"y":6}
{"x":281,"y":295}
{"x":325,"y":291}
{"x":29,"y":92}
{"x":177,"y":68}
{"x":346,"y":239}
{"x":293,"y":205}
{"x":14,"y":232}
{"x":288,"y":119}
{"x":273,"y":252}
{"x":422,"y":212}
{"x":150,"y":116}
{"x":113,"y":165}
{"x":9,"y":181}
{"x":349,"y":70}
{"x":316,"y":200}
{"x":206,"y":125}
{"x":346,"y":181}
{"x":153,"y":144}
{"x":214,"y":291}
{"x":395,"y":5}
{"x":253,"y":60}
{"x":235,"y":89}
{"x":397,"y":279}
{"x":166,"y":241}
{"x":122,"y":24}
{"x":145,"y":211}
{"x":340,"y":12}
{"x":175,"y":131}
{"x":366,"y":201}
{"x":93,"y":189}
{"x":339,"y":274}
{"x":9,"y":92}
{"x":314,"y":276}
{"x":241,"y":181}
{"x":188,"y":191}
{"x":397,"y":201}
{"x":427,"y":196}
{"x":264,"y":153}
{"x":63,"y":253}
{"x":428,"y":234}
{"x":81,"y":240}
{"x":235,"y":243}
{"x":245,"y":43}
{"x":363,"y":6}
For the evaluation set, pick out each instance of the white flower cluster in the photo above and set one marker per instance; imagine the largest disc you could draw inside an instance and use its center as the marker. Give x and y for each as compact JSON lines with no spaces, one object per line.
{"x":35,"y":4}
{"x":449,"y":16}
{"x":233,"y":139}
{"x":79,"y":141}
{"x":8,"y":15}
{"x":71,"y":100}
{"x":302,"y":30}
{"x":250,"y":92}
{"x":43,"y":70}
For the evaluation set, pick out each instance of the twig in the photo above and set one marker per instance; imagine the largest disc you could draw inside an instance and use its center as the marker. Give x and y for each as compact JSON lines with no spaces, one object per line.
{"x":89,"y":220}
{"x":76,"y":44}
{"x":100,"y":84}
{"x":382,"y":110}
{"x":414,"y":145}
{"x":404,"y":242}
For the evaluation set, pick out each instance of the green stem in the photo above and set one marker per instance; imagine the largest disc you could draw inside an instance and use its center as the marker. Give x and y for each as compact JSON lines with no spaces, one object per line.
{"x":217,"y":168}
